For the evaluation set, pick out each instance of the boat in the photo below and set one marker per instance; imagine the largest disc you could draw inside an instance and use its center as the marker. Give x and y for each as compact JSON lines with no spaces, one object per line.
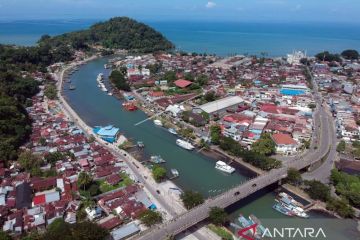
{"x":106,"y":66}
{"x":157,"y":159}
{"x":110,"y":94}
{"x":174,"y":172}
{"x":129,"y":106}
{"x":184,"y":144}
{"x":140,"y":144}
{"x":72,"y":87}
{"x":260,"y":227}
{"x":172,"y":130}
{"x":281,"y":209}
{"x":286,"y":197}
{"x":222,"y":166}
{"x":157,"y":122}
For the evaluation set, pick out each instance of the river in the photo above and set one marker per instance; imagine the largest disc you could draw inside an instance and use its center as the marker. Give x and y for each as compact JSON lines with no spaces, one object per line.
{"x":196,"y":170}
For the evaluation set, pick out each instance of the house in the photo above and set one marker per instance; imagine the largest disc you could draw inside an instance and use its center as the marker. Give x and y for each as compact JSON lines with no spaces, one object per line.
{"x":46,"y":197}
{"x":181,"y":83}
{"x":93,"y":213}
{"x":285,"y":144}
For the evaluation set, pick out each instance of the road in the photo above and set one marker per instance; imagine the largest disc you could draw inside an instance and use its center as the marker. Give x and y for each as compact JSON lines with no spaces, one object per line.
{"x":199,"y":213}
{"x":322,"y":173}
{"x":138,"y":169}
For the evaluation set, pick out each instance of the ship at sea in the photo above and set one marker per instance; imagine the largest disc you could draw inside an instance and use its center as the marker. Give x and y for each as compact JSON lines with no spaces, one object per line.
{"x":184,"y":144}
{"x":222,"y":166}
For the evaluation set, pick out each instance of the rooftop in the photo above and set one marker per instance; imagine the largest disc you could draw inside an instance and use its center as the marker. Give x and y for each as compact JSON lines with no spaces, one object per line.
{"x":221,"y":104}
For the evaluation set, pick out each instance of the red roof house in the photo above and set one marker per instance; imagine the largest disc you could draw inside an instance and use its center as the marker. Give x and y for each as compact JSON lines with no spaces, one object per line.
{"x":181,"y":83}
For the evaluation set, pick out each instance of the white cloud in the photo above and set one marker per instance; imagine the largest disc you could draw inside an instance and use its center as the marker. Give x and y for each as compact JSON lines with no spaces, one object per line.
{"x":210,"y":4}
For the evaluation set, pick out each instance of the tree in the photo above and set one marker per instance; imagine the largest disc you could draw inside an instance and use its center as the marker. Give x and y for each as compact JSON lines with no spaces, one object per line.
{"x":84,"y":180}
{"x":51,"y":91}
{"x":329,"y":57}
{"x":340,"y":206}
{"x":350,"y":54}
{"x":210,"y":96}
{"x":218,"y":216}
{"x":4,"y":236}
{"x":215,"y":134}
{"x":88,"y":231}
{"x":293,"y":176}
{"x":119,"y":80}
{"x":159,"y":173}
{"x":317,"y":190}
{"x":150,"y":218}
{"x":52,"y":158}
{"x":28,"y":160}
{"x":170,"y":76}
{"x":191,"y":199}
{"x":341,"y":146}
{"x":264,"y":146}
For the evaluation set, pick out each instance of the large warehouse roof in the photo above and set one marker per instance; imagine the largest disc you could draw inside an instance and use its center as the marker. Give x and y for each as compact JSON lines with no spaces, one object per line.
{"x":220,"y":104}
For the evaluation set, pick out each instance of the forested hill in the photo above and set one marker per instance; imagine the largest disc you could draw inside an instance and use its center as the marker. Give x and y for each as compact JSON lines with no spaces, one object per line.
{"x":119,"y":32}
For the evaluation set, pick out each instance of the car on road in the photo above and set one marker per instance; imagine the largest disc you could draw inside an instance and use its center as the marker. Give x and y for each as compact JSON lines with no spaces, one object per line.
{"x":236,"y":193}
{"x":158,"y":191}
{"x":254,"y":185}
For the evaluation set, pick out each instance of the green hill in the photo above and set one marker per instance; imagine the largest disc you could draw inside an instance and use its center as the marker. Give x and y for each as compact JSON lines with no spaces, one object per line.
{"x":119,"y":33}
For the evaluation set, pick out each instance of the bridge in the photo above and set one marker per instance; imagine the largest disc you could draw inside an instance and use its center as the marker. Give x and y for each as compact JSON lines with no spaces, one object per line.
{"x":190,"y":218}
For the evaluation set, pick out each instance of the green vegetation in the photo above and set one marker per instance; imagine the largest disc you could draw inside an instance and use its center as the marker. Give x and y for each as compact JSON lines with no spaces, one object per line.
{"x":150,"y":218}
{"x":4,"y":236}
{"x":191,"y":199}
{"x":221,"y":232}
{"x":294,"y":177}
{"x":15,"y":127}
{"x":119,"y":80}
{"x":317,"y":190}
{"x":186,"y":133}
{"x":159,"y":173}
{"x":52,"y":158}
{"x":258,"y":160}
{"x":59,"y":229}
{"x":341,"y":146}
{"x":170,"y":76}
{"x":84,"y":180}
{"x":215,"y":134}
{"x":50,"y":91}
{"x":329,"y":57}
{"x":341,"y":207}
{"x":218,"y":216}
{"x":105,"y":187}
{"x":347,"y":186}
{"x":209,"y":97}
{"x":350,"y":54}
{"x":119,"y":33}
{"x":264,"y":146}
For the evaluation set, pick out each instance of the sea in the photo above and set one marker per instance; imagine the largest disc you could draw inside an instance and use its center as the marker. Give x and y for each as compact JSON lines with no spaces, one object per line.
{"x":221,"y":38}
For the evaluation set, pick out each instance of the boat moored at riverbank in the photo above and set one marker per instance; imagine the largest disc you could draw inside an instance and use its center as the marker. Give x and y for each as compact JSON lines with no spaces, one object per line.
{"x":222,"y":166}
{"x":184,"y":144}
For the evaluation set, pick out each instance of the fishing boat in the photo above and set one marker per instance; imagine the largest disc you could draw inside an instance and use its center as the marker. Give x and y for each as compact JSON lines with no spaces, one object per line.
{"x":222,"y":166}
{"x":260,"y":227}
{"x":110,"y":94}
{"x":172,"y":131}
{"x":130,"y":106}
{"x":286,"y":197}
{"x":140,"y":144}
{"x":281,"y":209}
{"x":157,"y":159}
{"x":289,"y":203}
{"x":157,"y":122}
{"x":184,"y":144}
{"x":72,"y":87}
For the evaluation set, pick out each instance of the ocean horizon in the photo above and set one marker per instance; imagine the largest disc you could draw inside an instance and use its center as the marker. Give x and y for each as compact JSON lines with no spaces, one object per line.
{"x":220,"y":38}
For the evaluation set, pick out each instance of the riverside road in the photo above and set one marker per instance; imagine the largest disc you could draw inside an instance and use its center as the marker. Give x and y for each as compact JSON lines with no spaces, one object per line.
{"x":184,"y":221}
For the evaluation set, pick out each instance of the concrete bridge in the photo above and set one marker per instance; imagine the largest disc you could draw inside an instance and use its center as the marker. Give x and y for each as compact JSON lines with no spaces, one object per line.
{"x":184,"y":221}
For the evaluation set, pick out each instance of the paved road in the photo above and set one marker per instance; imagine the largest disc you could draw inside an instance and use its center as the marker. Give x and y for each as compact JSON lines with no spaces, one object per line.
{"x":322,"y":173}
{"x":198,"y":214}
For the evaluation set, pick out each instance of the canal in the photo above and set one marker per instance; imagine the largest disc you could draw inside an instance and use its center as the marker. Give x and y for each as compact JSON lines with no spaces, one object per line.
{"x":196,"y":170}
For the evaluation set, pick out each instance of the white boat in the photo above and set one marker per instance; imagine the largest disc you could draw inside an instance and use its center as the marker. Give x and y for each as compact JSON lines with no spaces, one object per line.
{"x":173,"y":131}
{"x":110,"y":94}
{"x":157,"y":122}
{"x":184,"y":144}
{"x":174,"y":172}
{"x":220,"y":165}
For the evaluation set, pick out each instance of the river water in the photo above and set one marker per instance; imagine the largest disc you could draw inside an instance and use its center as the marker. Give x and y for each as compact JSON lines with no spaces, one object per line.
{"x":197,"y":171}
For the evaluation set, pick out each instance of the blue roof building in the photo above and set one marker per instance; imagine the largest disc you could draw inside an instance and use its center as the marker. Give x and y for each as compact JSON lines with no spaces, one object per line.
{"x":108,"y":133}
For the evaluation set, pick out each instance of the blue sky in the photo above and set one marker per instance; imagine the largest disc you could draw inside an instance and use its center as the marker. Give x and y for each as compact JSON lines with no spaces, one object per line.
{"x":164,"y":10}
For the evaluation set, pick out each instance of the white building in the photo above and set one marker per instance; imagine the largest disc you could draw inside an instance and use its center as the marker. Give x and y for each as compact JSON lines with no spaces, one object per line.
{"x":285,"y":144}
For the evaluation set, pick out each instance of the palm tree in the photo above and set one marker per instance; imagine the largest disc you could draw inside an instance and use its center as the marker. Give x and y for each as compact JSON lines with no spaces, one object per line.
{"x":84,"y":180}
